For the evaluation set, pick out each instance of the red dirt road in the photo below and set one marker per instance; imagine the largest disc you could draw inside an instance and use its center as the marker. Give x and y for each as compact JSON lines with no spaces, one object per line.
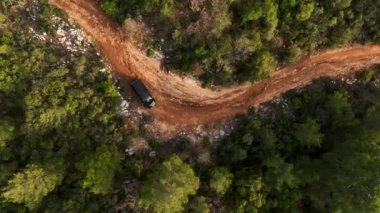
{"x":181,"y":101}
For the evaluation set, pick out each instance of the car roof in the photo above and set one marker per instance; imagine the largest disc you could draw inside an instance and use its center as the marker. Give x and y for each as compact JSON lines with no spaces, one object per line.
{"x":141,"y":90}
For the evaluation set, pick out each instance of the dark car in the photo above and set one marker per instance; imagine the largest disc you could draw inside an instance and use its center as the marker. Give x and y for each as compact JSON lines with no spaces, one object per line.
{"x":143,"y":93}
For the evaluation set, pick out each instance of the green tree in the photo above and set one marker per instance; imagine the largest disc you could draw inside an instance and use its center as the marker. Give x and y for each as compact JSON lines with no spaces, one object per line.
{"x":168,"y":187}
{"x":3,"y":18}
{"x":220,"y":180}
{"x":110,"y":8}
{"x":280,"y":174}
{"x":251,"y":11}
{"x":305,"y":11}
{"x":52,"y":112}
{"x":342,"y":35}
{"x":80,"y":65}
{"x":167,"y":8}
{"x":99,"y":169}
{"x":292,"y":54}
{"x":308,"y":134}
{"x":7,"y":130}
{"x":31,"y":185}
{"x":259,"y":66}
{"x":348,"y":176}
{"x":221,"y":18}
{"x":340,"y":4}
{"x":198,"y":205}
{"x":340,"y":111}
{"x":271,"y":21}
{"x":249,"y":195}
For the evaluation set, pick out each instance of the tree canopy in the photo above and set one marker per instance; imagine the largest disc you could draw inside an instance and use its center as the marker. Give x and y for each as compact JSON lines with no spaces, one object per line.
{"x":99,"y":169}
{"x":312,"y":150}
{"x":56,"y":105}
{"x":316,"y":149}
{"x":168,"y":187}
{"x":7,"y":130}
{"x":220,"y":180}
{"x":189,"y":35}
{"x":31,"y":185}
{"x":198,"y":205}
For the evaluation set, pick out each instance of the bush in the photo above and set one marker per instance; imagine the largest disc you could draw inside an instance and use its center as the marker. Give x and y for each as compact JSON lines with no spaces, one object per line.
{"x":220,"y":180}
{"x":292,"y":54}
{"x":258,"y":66}
{"x":168,"y":187}
{"x":368,"y":74}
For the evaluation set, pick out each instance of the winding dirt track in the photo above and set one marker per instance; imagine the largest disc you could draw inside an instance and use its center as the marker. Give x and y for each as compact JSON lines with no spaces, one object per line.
{"x":181,"y":101}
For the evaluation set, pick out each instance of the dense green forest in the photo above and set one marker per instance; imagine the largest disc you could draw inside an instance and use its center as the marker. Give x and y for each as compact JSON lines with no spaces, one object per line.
{"x":242,"y":40}
{"x":317,"y":151}
{"x":59,"y":123}
{"x":62,"y":141}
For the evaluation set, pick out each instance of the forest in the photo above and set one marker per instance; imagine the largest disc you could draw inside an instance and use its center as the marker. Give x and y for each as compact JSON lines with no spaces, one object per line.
{"x":315,"y":150}
{"x":62,"y":140}
{"x":59,"y":131}
{"x":228,"y":41}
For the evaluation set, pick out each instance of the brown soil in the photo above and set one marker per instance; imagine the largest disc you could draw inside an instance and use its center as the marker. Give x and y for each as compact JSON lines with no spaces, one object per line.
{"x":181,"y":102}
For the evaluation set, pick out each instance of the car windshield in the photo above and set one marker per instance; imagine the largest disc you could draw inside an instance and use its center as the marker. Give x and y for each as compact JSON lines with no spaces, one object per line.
{"x":151,"y":102}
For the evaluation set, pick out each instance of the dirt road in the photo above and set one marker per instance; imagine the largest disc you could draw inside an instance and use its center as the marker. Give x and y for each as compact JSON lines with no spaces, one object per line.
{"x":181,"y":101}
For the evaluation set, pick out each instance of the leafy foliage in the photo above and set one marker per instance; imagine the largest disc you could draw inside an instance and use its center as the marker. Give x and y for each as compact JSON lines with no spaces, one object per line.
{"x":168,"y":187}
{"x":220,"y":180}
{"x":339,"y":109}
{"x":51,"y":112}
{"x":308,"y":134}
{"x":100,"y":169}
{"x":198,"y":205}
{"x":219,"y":39}
{"x":249,"y":189}
{"x":31,"y":185}
{"x":6,"y":131}
{"x":316,"y":151}
{"x":259,"y":66}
